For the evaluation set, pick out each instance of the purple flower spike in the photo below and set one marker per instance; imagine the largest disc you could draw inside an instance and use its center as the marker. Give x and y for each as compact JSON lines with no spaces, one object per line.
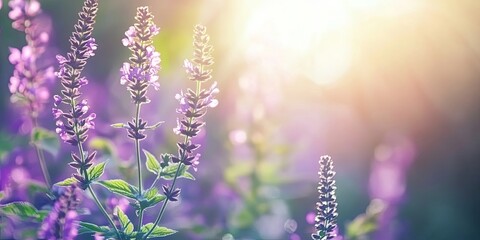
{"x":74,"y":123}
{"x":326,"y":219}
{"x":74,"y":120}
{"x":142,"y":70}
{"x":60,"y":222}
{"x":27,"y":84}
{"x":194,"y":104}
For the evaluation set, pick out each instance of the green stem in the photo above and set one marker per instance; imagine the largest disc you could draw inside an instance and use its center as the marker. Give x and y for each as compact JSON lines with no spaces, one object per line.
{"x":103,"y":210}
{"x":159,"y":217}
{"x":85,"y":174}
{"x":41,"y":160}
{"x":139,"y":164}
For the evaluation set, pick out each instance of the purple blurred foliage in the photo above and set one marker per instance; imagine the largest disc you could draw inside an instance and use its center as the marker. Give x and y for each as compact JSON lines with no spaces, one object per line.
{"x":16,"y":175}
{"x":61,"y":221}
{"x":388,"y":180}
{"x":33,"y":70}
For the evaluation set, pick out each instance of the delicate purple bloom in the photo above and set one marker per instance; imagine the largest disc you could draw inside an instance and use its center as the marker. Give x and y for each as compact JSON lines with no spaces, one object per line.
{"x":326,"y":219}
{"x":57,"y":100}
{"x":172,"y":195}
{"x":194,"y":104}
{"x":60,"y":222}
{"x":73,"y":122}
{"x":76,"y":123}
{"x":142,"y":70}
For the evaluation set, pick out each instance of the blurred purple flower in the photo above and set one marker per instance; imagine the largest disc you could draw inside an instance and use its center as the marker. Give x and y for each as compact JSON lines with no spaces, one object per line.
{"x":27,"y":84}
{"x":388,"y":180}
{"x":60,"y":222}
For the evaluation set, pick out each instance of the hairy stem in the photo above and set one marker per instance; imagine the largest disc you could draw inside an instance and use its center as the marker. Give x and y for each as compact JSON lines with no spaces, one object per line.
{"x":159,"y":217}
{"x":139,"y":164}
{"x":85,"y":174}
{"x":41,"y":159}
{"x":90,"y":189}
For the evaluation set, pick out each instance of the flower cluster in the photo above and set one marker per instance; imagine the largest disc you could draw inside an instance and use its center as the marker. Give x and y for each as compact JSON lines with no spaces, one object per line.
{"x":194,"y":104}
{"x":142,"y":70}
{"x":60,"y":223}
{"x":326,"y":219}
{"x":27,"y":83}
{"x":73,"y":125}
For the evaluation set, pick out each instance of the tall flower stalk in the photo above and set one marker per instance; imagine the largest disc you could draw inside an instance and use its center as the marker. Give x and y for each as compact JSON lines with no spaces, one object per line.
{"x":326,"y":219}
{"x":138,"y":74}
{"x":73,"y":121}
{"x":27,"y":84}
{"x":193,"y":106}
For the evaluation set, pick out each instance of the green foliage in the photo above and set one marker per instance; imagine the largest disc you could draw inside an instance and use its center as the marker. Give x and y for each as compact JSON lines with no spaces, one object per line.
{"x":151,"y":198}
{"x":103,"y":145}
{"x":23,"y":210}
{"x":233,"y":172}
{"x":365,"y":224}
{"x":45,"y":140}
{"x":121,"y":187}
{"x":96,"y":171}
{"x":67,"y":182}
{"x":157,"y":231}
{"x":84,"y":227}
{"x":127,"y":225}
{"x":152,"y":163}
{"x":168,"y":173}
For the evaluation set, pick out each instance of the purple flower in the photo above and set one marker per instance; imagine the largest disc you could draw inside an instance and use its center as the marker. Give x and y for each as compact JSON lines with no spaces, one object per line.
{"x":326,"y":219}
{"x":27,"y":84}
{"x":194,"y":104}
{"x":142,"y":70}
{"x":74,"y":121}
{"x":23,"y":12}
{"x":60,"y":222}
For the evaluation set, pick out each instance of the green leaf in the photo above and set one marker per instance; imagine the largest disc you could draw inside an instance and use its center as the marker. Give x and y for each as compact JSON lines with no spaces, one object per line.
{"x":127,"y":225}
{"x":42,"y":214}
{"x":103,"y":145}
{"x":168,"y":173}
{"x":46,"y":140}
{"x":157,"y":231}
{"x":152,"y":163}
{"x":118,"y":125}
{"x":121,"y":187}
{"x":152,"y":197}
{"x":153,"y":127}
{"x":67,"y":182}
{"x":95,"y":171}
{"x":23,"y":210}
{"x":2,"y":195}
{"x":150,"y":193}
{"x":85,"y":227}
{"x":187,"y":175}
{"x":34,"y":187}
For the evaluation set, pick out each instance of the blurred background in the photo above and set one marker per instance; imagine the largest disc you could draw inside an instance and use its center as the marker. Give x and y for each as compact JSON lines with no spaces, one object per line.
{"x":389,"y":89}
